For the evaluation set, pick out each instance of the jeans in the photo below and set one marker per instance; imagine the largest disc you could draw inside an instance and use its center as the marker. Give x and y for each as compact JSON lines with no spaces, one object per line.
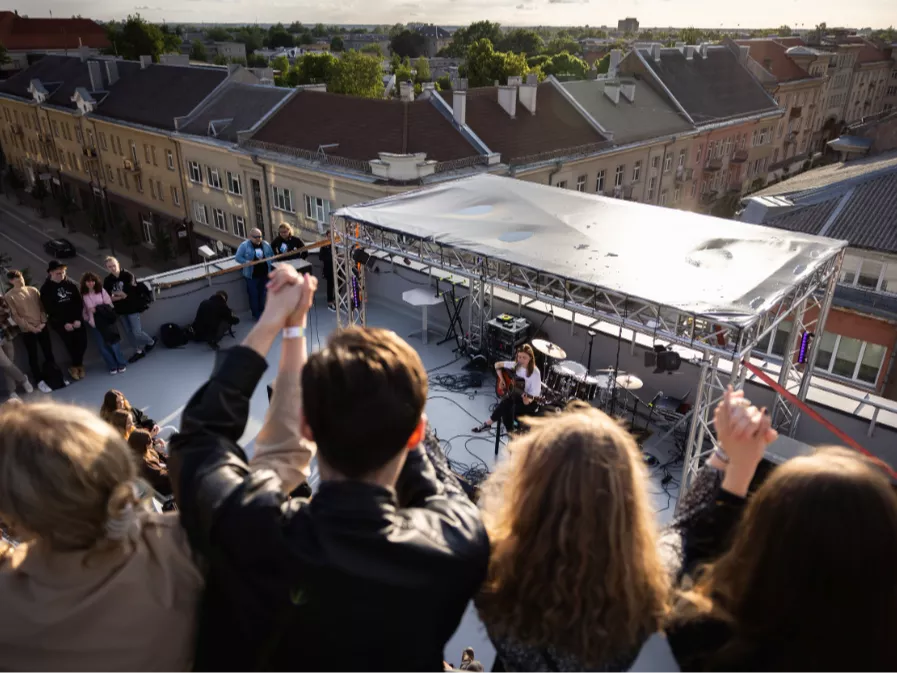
{"x":258,"y":291}
{"x":134,"y":331}
{"x":75,"y":343}
{"x":111,"y":352}
{"x":32,"y":341}
{"x":11,"y":373}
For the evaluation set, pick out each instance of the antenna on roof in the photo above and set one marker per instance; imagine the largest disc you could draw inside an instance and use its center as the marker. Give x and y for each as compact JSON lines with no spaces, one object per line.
{"x":322,"y":149}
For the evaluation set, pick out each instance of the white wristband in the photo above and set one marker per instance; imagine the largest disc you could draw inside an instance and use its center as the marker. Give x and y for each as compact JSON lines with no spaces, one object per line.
{"x":293,"y":332}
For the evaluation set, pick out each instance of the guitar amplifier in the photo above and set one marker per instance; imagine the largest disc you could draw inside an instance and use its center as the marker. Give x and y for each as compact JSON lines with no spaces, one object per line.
{"x":504,"y":335}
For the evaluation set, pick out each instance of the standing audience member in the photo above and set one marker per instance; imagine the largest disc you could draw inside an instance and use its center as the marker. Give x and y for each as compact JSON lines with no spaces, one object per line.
{"x":28,"y":313}
{"x":326,"y":256}
{"x":13,"y":375}
{"x":115,"y":400}
{"x":286,"y":242}
{"x":64,"y":306}
{"x":150,"y":463}
{"x":214,"y":319}
{"x":254,"y":249}
{"x":102,"y":318}
{"x":575,"y":578}
{"x":122,"y":287}
{"x":389,"y":551}
{"x":801,"y":575}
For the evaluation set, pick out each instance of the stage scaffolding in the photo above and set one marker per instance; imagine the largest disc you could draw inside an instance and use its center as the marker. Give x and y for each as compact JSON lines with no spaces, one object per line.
{"x":713,"y":338}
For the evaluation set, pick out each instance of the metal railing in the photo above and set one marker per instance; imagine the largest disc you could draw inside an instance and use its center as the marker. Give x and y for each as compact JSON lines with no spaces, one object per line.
{"x":317,"y":157}
{"x":457,"y":164}
{"x":580,"y":150}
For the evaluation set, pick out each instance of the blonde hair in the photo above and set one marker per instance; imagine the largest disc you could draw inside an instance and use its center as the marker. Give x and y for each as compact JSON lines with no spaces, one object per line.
{"x":65,"y":475}
{"x":285,"y":225}
{"x":574,"y":561}
{"x":121,"y":420}
{"x":112,"y":259}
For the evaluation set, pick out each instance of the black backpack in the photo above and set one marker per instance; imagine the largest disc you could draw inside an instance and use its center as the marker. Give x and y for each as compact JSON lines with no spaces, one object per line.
{"x":142,"y":297}
{"x":53,"y":376}
{"x":173,"y":336}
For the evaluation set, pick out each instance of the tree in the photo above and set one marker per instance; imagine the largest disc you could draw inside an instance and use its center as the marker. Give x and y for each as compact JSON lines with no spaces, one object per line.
{"x":136,"y":37}
{"x":357,"y":74}
{"x":691,"y":36}
{"x":4,"y":55}
{"x":319,"y":30}
{"x":296,"y":27}
{"x":252,"y":36}
{"x":565,"y":64}
{"x":444,"y":83}
{"x":315,"y":68}
{"x":281,"y":63}
{"x":336,"y":44}
{"x":485,"y":65}
{"x":305,"y":38}
{"x":256,"y":61}
{"x":395,"y":30}
{"x":373,"y":49}
{"x":219,"y":34}
{"x":464,"y":38}
{"x":784,"y":31}
{"x":409,"y":44}
{"x":563,"y":43}
{"x":422,"y":65}
{"x":603,"y":65}
{"x":521,"y":41}
{"x":278,"y":36}
{"x":403,"y":73}
{"x":198,"y":51}
{"x":220,"y":59}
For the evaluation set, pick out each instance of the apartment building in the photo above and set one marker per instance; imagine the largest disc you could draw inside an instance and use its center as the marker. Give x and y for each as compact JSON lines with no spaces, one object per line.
{"x":436,"y":39}
{"x":22,"y":35}
{"x":733,"y":116}
{"x":869,"y":84}
{"x":854,"y":201}
{"x":358,"y":41}
{"x":889,"y":103}
{"x":224,"y":187}
{"x":795,"y":77}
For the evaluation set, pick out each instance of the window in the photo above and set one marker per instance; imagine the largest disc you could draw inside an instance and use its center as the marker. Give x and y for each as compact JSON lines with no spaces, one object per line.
{"x":153,"y":152}
{"x":652,"y":184}
{"x":239,"y":226}
{"x":870,"y":272}
{"x":618,"y":176}
{"x":55,"y":128}
{"x":147,"y":230}
{"x":134,"y":152}
{"x":159,"y":193}
{"x":152,"y":189}
{"x":283,"y":199}
{"x":677,"y":194}
{"x":102,"y":138}
{"x":667,"y":163}
{"x":170,"y":158}
{"x":317,"y":209}
{"x":109,"y":176}
{"x":175,"y":197}
{"x":79,"y":136}
{"x":120,"y":181}
{"x":138,"y":182}
{"x":562,"y":184}
{"x":121,"y":152}
{"x":195,"y":172}
{"x":681,"y":162}
{"x":214,"y":177}
{"x":234,"y":186}
{"x":655,"y":161}
{"x":663,"y":197}
{"x":146,"y":153}
{"x":637,"y":171}
{"x":581,"y":183}
{"x":257,"y":203}
{"x":599,"y":181}
{"x":698,"y":154}
{"x":200,"y":214}
{"x":220,"y":220}
{"x":892,"y":91}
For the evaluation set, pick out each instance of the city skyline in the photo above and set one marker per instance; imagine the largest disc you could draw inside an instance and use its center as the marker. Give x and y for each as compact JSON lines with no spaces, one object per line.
{"x":650,"y":13}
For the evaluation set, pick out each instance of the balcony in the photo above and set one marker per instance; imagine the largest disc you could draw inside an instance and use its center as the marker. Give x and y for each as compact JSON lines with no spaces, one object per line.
{"x":709,"y":197}
{"x":16,"y":129}
{"x":713,"y":165}
{"x":795,"y":113}
{"x":90,"y":152}
{"x":739,"y":157}
{"x":684,"y":174}
{"x":130,"y":165}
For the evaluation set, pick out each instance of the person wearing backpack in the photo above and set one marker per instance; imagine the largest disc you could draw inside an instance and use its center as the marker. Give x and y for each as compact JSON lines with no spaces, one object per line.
{"x":123,"y":288}
{"x":62,"y":301}
{"x":26,"y":310}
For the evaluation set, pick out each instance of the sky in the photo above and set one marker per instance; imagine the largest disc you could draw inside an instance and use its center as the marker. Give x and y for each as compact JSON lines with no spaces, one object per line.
{"x":680,"y":13}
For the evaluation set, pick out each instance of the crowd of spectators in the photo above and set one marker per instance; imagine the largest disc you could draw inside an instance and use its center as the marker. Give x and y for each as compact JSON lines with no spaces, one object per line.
{"x":562,"y":556}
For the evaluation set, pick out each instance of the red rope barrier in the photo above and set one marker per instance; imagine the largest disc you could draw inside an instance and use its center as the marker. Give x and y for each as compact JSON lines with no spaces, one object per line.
{"x":837,"y":432}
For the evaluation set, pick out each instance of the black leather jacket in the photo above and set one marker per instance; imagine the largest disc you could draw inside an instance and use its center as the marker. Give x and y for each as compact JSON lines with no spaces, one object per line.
{"x":357,"y":578}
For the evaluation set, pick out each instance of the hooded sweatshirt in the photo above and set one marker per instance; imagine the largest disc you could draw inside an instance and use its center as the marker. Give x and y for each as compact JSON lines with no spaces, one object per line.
{"x":62,"y":302}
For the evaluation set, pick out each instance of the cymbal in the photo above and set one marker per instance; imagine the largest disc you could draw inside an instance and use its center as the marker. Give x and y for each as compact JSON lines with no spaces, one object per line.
{"x":549,"y":349}
{"x":629,"y":382}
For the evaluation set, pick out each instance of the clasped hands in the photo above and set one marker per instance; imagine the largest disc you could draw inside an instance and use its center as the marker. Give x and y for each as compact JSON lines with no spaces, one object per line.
{"x":744,"y":432}
{"x":290,"y":296}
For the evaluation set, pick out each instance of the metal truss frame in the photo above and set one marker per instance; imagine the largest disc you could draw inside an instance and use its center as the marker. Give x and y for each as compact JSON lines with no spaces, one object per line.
{"x":714,"y":338}
{"x":349,"y":293}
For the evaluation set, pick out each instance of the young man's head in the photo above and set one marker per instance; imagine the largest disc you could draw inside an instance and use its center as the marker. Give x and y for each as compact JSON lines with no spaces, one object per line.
{"x":363,"y":400}
{"x":222,"y":294}
{"x":112,"y":265}
{"x":15,"y":278}
{"x":56,"y":271}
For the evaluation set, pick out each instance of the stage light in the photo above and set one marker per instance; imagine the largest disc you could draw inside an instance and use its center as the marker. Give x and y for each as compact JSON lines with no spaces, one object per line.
{"x":805,"y":340}
{"x":663,"y":359}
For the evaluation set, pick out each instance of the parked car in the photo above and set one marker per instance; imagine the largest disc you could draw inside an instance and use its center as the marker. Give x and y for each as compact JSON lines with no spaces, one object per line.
{"x":60,"y":247}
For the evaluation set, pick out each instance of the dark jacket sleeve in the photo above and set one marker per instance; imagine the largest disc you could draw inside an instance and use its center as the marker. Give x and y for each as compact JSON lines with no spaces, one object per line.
{"x":141,"y":420}
{"x":213,"y":484}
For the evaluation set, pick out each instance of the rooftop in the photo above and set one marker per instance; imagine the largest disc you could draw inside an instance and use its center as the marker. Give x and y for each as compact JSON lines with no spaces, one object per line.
{"x":23,"y":33}
{"x":364,"y":127}
{"x":648,"y":115}
{"x":869,"y":52}
{"x":712,"y":87}
{"x":557,"y":124}
{"x":236,"y":107}
{"x":773,"y":57}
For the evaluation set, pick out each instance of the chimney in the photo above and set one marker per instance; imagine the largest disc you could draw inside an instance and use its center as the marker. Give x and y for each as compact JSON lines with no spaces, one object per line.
{"x":507,"y":98}
{"x":95,"y":71}
{"x":527,"y":93}
{"x":702,"y":49}
{"x":681,"y":47}
{"x":145,"y":61}
{"x":612,"y":91}
{"x":459,"y":106}
{"x":428,"y":89}
{"x":406,"y":91}
{"x":111,"y":72}
{"x":655,"y":52}
{"x":616,"y":55}
{"x":462,"y":84}
{"x":689,"y":53}
{"x":628,"y":91}
{"x":515,"y":80}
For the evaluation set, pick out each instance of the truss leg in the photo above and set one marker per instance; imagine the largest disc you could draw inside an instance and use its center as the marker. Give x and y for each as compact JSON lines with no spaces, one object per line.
{"x":480,"y":306}
{"x":789,"y":375}
{"x":348,"y":288}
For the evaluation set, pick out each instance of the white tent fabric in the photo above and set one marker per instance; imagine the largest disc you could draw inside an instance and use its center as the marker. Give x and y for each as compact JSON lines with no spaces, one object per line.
{"x":690,"y":262}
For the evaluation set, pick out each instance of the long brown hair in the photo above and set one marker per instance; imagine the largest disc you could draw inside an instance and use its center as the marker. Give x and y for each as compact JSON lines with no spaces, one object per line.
{"x":531,"y":367}
{"x":809,"y":581}
{"x":111,"y":401}
{"x":575,"y":563}
{"x":141,"y":442}
{"x":97,"y":283}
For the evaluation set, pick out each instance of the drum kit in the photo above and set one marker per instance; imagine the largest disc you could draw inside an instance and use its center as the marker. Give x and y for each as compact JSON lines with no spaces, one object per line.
{"x":568,"y":380}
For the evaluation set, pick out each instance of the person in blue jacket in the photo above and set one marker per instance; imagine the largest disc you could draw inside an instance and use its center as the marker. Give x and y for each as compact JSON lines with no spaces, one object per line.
{"x":255,"y":249}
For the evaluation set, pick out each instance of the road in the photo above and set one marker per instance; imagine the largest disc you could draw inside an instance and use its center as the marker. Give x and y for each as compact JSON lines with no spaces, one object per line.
{"x":23,"y":235}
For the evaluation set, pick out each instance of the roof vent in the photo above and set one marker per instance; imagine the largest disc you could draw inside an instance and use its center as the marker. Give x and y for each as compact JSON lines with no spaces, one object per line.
{"x":689,"y":53}
{"x":627,"y":89}
{"x":655,"y":51}
{"x":507,"y":98}
{"x":612,"y":91}
{"x":145,"y":61}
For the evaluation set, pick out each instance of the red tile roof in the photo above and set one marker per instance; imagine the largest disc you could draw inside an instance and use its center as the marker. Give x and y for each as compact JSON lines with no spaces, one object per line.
{"x":869,"y":53}
{"x":790,"y":41}
{"x":771,"y":55}
{"x":363,"y":127}
{"x":557,"y":125}
{"x":20,"y":33}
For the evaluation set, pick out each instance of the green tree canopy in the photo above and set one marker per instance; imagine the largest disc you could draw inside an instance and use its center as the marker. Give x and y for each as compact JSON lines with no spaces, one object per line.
{"x":356,"y":74}
{"x":136,"y":37}
{"x":252,"y":36}
{"x":220,"y":59}
{"x":315,"y":68}
{"x":219,"y":34}
{"x":603,"y":65}
{"x":305,"y":39}
{"x":336,"y":44}
{"x":464,"y":38}
{"x":422,"y":65}
{"x":280,"y":63}
{"x":319,"y":30}
{"x":566,"y":64}
{"x":444,"y":83}
{"x":395,"y":30}
{"x":691,"y":36}
{"x":484,"y":65}
{"x":403,"y":74}
{"x":373,"y":49}
{"x":409,"y":44}
{"x":521,"y":41}
{"x":278,"y":36}
{"x":4,"y":55}
{"x":296,"y":27}
{"x":256,"y":61}
{"x":563,"y":43}
{"x":784,"y":30}
{"x":198,"y":51}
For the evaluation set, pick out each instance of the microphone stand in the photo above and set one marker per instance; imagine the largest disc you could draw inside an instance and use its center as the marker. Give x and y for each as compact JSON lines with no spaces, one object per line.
{"x":591,"y":343}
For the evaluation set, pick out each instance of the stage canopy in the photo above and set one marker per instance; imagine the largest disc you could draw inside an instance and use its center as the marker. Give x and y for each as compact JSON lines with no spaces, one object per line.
{"x":722,"y":269}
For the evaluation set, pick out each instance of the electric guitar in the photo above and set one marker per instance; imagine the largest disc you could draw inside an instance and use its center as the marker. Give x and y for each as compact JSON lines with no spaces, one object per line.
{"x":508,"y":383}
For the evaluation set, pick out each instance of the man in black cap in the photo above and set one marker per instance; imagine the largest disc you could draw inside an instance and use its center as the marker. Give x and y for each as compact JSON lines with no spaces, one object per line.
{"x":62,"y":302}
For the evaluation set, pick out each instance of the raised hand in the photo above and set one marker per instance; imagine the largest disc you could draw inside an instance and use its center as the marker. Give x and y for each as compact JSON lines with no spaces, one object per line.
{"x":284,"y":292}
{"x":744,"y":432}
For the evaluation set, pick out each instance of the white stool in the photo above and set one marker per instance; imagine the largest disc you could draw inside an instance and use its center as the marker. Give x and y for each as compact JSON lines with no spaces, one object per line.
{"x":423,"y":298}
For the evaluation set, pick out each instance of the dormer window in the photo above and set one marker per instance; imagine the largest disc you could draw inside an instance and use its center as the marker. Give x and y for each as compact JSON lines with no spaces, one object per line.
{"x":38,"y":91}
{"x":84,"y":100}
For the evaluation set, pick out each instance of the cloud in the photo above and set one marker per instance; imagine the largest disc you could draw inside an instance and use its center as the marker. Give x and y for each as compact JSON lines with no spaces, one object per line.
{"x":567,"y":2}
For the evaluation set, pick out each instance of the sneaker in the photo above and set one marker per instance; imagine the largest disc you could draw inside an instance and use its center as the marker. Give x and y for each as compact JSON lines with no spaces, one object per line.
{"x":122,"y":370}
{"x":331,"y":307}
{"x":27,"y":387}
{"x":44,"y":388}
{"x":73,"y":372}
{"x":151,"y":346}
{"x":82,"y":372}
{"x":113,"y":372}
{"x":134,"y":358}
{"x":13,"y":396}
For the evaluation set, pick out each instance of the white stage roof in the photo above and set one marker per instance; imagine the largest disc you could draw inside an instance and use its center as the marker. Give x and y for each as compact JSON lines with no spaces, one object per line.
{"x":686,"y":261}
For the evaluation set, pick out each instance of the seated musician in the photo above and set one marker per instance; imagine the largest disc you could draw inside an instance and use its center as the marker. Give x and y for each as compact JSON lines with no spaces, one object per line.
{"x":515,"y":404}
